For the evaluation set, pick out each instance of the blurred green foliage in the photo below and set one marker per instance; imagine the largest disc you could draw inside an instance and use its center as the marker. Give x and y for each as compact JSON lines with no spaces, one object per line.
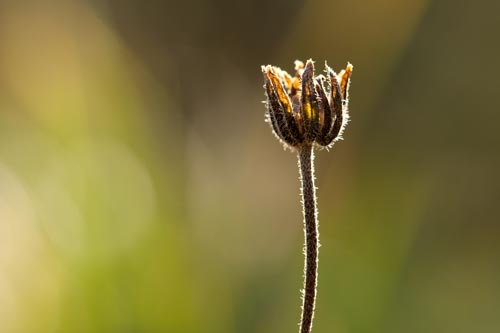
{"x":141,"y":191}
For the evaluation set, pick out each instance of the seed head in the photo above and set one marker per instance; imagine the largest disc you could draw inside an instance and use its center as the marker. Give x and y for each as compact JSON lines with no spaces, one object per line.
{"x":301,"y":110}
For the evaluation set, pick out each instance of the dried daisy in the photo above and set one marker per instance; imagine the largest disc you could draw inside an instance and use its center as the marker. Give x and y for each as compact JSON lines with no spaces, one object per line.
{"x":305,"y":113}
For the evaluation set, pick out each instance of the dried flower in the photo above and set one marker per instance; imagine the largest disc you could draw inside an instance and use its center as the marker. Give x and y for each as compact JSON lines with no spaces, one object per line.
{"x":303,"y":113}
{"x":301,"y":109}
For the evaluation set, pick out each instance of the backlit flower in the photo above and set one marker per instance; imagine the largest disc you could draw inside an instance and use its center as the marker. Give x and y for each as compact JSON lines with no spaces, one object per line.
{"x":301,"y":109}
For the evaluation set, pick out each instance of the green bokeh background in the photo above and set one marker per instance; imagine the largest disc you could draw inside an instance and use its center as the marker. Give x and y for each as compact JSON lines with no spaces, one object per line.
{"x":142,"y":192}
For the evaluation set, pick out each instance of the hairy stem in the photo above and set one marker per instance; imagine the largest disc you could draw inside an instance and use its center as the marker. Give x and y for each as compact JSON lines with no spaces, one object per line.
{"x":306,"y":164}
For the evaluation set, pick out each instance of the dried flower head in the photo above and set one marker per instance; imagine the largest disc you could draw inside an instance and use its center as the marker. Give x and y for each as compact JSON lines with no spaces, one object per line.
{"x":301,"y":110}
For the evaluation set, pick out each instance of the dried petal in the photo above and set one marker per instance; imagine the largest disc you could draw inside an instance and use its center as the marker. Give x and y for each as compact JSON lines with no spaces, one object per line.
{"x":309,"y":109}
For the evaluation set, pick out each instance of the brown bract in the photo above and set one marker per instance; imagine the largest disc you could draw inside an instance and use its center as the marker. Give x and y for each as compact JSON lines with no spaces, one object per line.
{"x":301,"y":110}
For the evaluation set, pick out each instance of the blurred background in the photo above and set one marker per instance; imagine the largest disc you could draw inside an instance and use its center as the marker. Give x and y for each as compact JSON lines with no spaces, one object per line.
{"x":141,"y":190}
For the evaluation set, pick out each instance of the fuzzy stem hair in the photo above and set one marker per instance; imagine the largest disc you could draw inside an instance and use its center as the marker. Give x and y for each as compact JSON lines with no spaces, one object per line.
{"x":311,"y":235}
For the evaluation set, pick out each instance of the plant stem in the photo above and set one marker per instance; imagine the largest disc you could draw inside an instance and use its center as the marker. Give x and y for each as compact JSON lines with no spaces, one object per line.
{"x":306,"y":165}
